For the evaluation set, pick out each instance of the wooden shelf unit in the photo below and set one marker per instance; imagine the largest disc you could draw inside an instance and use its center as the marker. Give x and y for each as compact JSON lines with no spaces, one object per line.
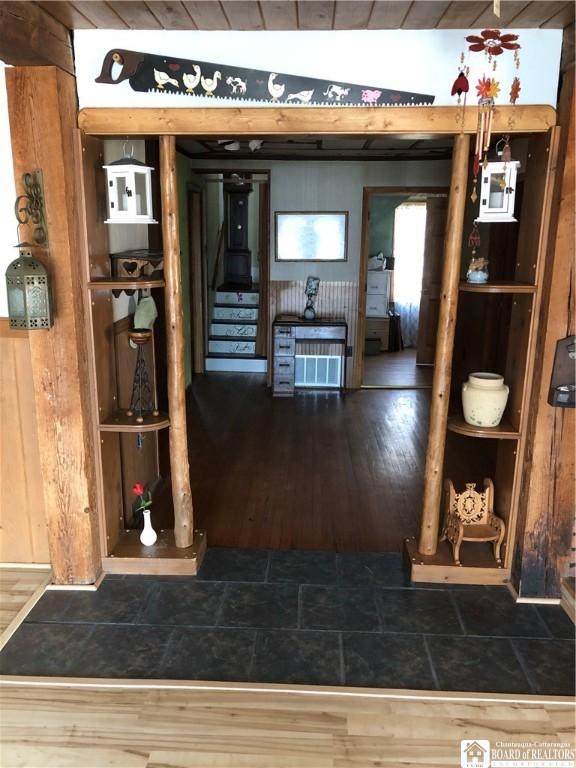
{"x":504,"y":431}
{"x":495,"y":330}
{"x":129,"y":451}
{"x":163,"y":558}
{"x":112,"y":283}
{"x":121,"y":422}
{"x":500,"y":287}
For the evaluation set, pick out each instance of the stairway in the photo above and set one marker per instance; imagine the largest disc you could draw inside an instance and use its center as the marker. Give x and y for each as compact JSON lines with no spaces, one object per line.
{"x":232,"y":335}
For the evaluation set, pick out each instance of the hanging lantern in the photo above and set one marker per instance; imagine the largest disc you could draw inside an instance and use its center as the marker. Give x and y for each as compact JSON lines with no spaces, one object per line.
{"x":498,"y":191}
{"x":129,"y":187}
{"x":27,"y":281}
{"x":29,"y":305}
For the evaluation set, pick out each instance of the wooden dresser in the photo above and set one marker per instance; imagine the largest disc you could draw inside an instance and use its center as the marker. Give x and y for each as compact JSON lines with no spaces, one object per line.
{"x":288,"y":332}
{"x":377,"y":298}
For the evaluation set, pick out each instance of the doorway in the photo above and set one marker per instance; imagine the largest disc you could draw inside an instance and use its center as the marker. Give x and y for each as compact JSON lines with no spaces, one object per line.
{"x":402,"y":245}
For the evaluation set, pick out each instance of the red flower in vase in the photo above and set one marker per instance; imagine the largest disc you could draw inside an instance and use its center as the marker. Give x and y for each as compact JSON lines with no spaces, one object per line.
{"x":138,"y":490}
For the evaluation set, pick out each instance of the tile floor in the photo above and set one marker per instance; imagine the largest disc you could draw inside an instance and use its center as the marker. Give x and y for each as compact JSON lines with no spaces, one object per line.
{"x":299,"y":617}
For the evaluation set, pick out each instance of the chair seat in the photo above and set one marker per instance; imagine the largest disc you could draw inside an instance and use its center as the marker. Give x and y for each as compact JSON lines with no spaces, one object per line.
{"x":480,"y":533}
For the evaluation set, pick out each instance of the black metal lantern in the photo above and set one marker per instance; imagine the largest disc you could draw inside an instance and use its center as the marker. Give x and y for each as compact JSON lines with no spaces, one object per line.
{"x":29,"y":305}
{"x":27,"y":281}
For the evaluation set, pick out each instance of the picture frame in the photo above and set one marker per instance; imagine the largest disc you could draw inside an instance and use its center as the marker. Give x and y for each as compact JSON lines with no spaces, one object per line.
{"x":311,"y":236}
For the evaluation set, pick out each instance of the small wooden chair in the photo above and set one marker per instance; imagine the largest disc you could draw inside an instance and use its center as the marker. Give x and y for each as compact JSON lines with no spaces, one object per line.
{"x":470,"y":516}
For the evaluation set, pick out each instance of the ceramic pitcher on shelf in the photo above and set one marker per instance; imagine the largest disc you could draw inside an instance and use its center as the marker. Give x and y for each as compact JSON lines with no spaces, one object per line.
{"x":484,"y":398}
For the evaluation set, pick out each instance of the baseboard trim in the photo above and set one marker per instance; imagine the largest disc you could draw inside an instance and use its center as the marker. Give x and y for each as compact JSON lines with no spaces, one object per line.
{"x":76,"y":587}
{"x":27,"y":566}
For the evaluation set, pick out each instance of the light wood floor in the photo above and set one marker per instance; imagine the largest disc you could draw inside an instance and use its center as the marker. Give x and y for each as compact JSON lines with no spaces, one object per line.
{"x":141,"y":725}
{"x":17,"y":585}
{"x":178,"y":728}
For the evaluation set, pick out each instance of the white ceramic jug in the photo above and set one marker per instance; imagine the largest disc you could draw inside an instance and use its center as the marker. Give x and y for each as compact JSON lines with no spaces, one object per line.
{"x":484,"y":398}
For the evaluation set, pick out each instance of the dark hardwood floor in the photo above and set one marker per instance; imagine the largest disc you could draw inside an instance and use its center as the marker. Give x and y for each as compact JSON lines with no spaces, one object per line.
{"x":319,"y":471}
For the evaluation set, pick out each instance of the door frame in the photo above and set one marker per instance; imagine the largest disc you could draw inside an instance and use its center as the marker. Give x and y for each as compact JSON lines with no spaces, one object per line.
{"x":367,"y":195}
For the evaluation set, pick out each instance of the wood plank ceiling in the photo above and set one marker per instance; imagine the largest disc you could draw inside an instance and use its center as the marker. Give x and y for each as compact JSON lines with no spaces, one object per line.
{"x":308,"y":14}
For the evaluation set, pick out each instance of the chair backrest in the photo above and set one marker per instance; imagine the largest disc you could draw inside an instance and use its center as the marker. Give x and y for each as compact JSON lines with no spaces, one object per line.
{"x":471,"y":507}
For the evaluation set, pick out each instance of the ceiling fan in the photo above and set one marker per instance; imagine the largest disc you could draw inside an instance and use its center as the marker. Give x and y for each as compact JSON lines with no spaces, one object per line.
{"x":233,"y":145}
{"x":233,"y":178}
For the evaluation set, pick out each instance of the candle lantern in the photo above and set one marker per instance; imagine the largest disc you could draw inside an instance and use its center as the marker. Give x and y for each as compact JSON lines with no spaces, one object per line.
{"x":28,"y":289}
{"x":129,"y":188}
{"x":498,"y":191}
{"x":27,"y":281}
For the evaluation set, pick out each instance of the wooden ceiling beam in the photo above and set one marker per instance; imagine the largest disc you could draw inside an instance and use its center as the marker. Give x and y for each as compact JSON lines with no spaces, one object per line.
{"x":388,"y":15}
{"x":243,"y":15}
{"x":68,"y":15}
{"x":100,"y":14}
{"x":352,"y":14}
{"x":31,"y":37}
{"x":207,"y":15}
{"x":279,"y":14}
{"x":171,"y":15}
{"x":316,"y":14}
{"x":137,"y":15}
{"x":308,"y":120}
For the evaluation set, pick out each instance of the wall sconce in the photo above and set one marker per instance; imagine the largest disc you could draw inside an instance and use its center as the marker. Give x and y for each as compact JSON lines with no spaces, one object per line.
{"x":27,"y":281}
{"x":129,"y":187}
{"x":498,"y":191}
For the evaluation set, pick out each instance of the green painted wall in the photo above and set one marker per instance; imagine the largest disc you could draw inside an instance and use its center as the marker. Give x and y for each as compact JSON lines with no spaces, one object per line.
{"x":183,"y":176}
{"x":381,"y":227}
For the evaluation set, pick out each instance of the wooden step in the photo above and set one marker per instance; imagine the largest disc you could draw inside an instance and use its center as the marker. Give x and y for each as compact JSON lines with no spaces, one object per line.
{"x":234,"y":313}
{"x":232,"y":330}
{"x":231,"y":347}
{"x":237,"y":298}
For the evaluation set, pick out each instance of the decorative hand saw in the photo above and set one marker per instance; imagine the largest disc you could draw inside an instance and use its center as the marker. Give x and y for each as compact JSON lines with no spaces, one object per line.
{"x":150,"y":72}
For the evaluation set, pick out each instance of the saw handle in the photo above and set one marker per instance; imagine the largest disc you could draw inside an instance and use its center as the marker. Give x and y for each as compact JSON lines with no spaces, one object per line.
{"x":128,"y":60}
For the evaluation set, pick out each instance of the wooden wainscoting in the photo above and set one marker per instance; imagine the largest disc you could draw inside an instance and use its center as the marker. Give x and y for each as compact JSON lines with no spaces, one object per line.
{"x":23,"y":534}
{"x":335,"y":299}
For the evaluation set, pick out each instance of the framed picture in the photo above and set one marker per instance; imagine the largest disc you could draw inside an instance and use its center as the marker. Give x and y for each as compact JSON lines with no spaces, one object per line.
{"x":304,"y":236}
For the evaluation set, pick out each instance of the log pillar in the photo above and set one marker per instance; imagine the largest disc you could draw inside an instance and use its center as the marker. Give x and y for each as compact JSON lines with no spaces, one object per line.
{"x":179,"y":468}
{"x":444,"y":348}
{"x":42,"y":111}
{"x":546,"y":504}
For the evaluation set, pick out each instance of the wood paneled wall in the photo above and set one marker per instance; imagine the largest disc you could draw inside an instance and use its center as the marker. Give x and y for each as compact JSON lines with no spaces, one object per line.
{"x":23,"y":535}
{"x":47,"y":96}
{"x":335,"y":299}
{"x":546,"y":505}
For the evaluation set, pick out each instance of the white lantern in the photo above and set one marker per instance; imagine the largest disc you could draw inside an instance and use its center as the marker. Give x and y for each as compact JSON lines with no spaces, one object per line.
{"x":497,"y":191}
{"x":129,"y":186}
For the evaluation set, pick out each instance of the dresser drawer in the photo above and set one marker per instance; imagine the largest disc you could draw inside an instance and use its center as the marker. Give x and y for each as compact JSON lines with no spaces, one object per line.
{"x":283,"y":366}
{"x":283,"y":346}
{"x":283,"y":331}
{"x":283,"y":385}
{"x":378,"y":282}
{"x":376,"y":306}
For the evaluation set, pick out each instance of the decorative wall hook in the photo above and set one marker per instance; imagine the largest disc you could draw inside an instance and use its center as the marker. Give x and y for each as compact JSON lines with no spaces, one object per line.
{"x":29,"y":207}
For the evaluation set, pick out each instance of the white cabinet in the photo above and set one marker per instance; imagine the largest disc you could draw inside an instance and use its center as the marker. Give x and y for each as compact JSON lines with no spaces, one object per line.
{"x":377,"y":299}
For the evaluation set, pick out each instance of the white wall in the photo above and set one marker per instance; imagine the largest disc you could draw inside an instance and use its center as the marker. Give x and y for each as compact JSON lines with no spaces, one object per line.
{"x":334,"y":186}
{"x":8,"y":235}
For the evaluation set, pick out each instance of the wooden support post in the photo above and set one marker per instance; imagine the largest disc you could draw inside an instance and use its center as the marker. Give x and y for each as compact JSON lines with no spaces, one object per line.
{"x":179,"y":469}
{"x":546,"y":504}
{"x":38,"y":98}
{"x":444,"y":348}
